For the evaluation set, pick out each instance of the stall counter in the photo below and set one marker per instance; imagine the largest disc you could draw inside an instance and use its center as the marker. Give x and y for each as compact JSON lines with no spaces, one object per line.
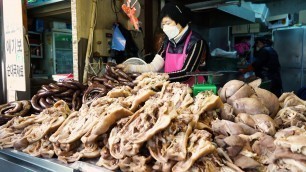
{"x":15,"y":161}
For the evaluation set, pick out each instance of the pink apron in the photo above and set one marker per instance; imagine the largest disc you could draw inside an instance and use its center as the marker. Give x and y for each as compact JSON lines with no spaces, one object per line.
{"x":175,"y":62}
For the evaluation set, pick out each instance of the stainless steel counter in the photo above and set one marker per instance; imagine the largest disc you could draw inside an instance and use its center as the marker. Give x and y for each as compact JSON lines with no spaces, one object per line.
{"x":15,"y":161}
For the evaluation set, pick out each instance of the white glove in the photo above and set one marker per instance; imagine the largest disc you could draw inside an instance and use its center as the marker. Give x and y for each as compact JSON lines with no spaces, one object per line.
{"x":155,"y":66}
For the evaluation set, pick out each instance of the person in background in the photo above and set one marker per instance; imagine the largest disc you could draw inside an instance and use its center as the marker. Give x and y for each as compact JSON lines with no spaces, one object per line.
{"x":266,"y":65}
{"x":181,"y":51}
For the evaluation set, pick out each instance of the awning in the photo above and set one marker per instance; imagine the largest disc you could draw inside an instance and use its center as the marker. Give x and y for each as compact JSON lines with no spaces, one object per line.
{"x":218,"y":13}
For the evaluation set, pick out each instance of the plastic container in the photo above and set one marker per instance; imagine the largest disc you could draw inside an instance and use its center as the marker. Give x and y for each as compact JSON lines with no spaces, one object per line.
{"x":197,"y":88}
{"x":62,"y":77}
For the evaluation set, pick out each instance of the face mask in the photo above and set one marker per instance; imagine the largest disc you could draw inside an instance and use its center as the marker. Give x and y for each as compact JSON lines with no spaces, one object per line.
{"x":171,"y":31}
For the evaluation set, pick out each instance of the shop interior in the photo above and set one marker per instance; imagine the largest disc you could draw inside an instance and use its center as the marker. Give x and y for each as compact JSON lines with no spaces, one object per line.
{"x":81,"y":111}
{"x":50,"y":40}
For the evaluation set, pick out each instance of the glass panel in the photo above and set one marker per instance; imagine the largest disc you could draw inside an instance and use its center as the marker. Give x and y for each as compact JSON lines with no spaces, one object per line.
{"x":63,"y":41}
{"x":64,"y":62}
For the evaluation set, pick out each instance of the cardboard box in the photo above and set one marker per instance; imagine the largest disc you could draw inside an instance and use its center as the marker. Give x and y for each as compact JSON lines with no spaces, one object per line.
{"x":254,"y":28}
{"x":58,"y":25}
{"x":62,"y":77}
{"x":278,"y":21}
{"x":240,"y":29}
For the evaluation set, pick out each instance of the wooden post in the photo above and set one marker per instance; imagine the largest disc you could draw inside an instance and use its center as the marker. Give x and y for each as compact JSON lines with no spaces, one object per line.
{"x":90,"y":39}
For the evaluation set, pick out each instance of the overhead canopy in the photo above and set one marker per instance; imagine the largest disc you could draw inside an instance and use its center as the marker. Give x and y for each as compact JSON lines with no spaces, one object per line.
{"x":48,"y":8}
{"x":218,"y":13}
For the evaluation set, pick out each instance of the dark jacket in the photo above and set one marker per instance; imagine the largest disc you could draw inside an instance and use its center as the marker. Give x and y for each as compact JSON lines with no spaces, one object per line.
{"x":267,"y":67}
{"x":195,"y":49}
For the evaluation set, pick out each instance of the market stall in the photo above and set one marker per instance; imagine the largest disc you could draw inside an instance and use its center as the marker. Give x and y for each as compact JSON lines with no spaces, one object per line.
{"x":139,"y":116}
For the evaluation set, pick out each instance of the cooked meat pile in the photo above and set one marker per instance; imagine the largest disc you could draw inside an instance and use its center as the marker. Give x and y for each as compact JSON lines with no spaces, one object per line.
{"x":31,"y":133}
{"x":159,"y":126}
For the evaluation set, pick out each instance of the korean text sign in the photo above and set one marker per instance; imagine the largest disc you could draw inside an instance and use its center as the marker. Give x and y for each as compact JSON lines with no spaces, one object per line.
{"x":14,"y":46}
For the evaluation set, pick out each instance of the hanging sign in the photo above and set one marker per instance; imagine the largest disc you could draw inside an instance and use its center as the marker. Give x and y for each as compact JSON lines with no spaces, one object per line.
{"x":14,"y":49}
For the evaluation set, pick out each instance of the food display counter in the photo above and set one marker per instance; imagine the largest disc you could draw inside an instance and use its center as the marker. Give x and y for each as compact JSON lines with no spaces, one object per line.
{"x":13,"y":161}
{"x":156,"y":125}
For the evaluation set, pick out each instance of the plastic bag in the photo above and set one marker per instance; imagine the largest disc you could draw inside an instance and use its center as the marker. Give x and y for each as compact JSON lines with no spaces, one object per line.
{"x":221,"y":53}
{"x":118,"y":41}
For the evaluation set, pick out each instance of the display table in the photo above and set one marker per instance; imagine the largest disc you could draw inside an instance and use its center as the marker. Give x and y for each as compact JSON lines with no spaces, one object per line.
{"x":16,"y":161}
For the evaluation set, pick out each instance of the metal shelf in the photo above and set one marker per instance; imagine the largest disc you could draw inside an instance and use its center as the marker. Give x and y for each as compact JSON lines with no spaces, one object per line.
{"x":32,"y":32}
{"x":64,"y":49}
{"x":35,"y":45}
{"x":36,"y":57}
{"x":13,"y":160}
{"x":18,"y":161}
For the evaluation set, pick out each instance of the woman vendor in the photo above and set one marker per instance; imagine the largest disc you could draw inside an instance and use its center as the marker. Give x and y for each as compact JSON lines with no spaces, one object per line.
{"x":182,"y":49}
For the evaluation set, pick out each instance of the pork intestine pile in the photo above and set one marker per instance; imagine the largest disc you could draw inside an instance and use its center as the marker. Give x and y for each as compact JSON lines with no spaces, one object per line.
{"x":159,"y":126}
